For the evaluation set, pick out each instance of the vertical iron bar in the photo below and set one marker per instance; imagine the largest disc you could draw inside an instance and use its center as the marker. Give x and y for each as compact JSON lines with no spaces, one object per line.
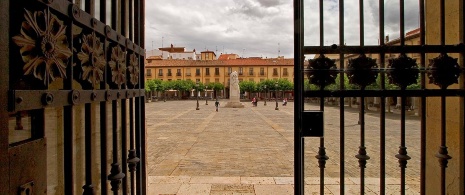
{"x":131,"y":141}
{"x":68,"y":126}
{"x":402,"y":156}
{"x":341,"y":102}
{"x":124,"y":153}
{"x":442,"y":154}
{"x":443,"y":22}
{"x":114,"y":15}
{"x":131,"y":18}
{"x":362,"y":24}
{"x":103,"y":114}
{"x":114,"y":126}
{"x":443,"y":142}
{"x":382,"y":113}
{"x":322,"y":35}
{"x":90,"y":7}
{"x":88,"y":188}
{"x":298,"y":104}
{"x":362,"y":144}
{"x":402,"y":23}
{"x":141,"y":86}
{"x":362,"y":152}
{"x":139,"y":100}
{"x":423,"y":102}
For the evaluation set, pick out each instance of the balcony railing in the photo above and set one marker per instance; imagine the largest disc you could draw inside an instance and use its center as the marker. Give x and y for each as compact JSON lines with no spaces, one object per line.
{"x":160,"y":74}
{"x":285,"y":74}
{"x":262,"y":73}
{"x":178,"y":74}
{"x":217,"y":74}
{"x":197,"y":74}
{"x":250,"y":73}
{"x":169,"y":74}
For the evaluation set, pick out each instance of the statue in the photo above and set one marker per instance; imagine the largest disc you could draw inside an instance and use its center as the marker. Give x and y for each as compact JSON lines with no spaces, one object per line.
{"x":234,"y":92}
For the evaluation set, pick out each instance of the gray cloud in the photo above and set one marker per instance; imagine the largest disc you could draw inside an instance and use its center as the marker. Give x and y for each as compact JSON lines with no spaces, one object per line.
{"x":255,"y":27}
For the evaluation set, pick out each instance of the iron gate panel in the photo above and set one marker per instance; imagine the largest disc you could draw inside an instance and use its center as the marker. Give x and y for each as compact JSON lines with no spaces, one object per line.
{"x":63,"y":57}
{"x":435,"y":66}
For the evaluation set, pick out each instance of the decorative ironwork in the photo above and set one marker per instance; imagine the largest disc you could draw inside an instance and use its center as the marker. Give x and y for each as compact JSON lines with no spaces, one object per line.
{"x":44,"y":46}
{"x":322,"y":71}
{"x":402,"y":156}
{"x":132,"y":160}
{"x":133,"y":69}
{"x":444,"y":71}
{"x":362,"y":157}
{"x":115,"y":176}
{"x":403,"y":71}
{"x":322,"y":158}
{"x":92,"y":59}
{"x":360,"y":71}
{"x":118,"y":66}
{"x":443,"y":156}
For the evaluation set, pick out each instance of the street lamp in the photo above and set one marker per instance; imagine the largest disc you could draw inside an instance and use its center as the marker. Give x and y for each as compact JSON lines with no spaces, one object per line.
{"x":265,"y":95}
{"x":197,"y":89}
{"x":276,"y":94}
{"x":206,"y":98}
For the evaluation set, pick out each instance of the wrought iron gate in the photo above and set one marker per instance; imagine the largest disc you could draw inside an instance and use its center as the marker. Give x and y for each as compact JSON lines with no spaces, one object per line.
{"x":72,"y":65}
{"x":437,"y":72}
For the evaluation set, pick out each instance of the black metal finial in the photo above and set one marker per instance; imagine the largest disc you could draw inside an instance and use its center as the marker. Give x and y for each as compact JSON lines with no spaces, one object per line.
{"x":132,"y":160}
{"x":403,"y":71}
{"x":360,"y":71}
{"x":322,"y":158}
{"x":443,"y":71}
{"x":115,"y":176}
{"x":362,"y":157}
{"x":322,"y":71}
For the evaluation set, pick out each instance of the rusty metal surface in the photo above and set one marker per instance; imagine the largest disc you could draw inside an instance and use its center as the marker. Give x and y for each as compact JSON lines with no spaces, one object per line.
{"x":28,"y":163}
{"x":36,"y":99}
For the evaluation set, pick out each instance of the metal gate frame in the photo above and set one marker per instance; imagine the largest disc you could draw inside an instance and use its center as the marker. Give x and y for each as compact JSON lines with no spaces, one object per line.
{"x":321,"y":70}
{"x":116,"y":50}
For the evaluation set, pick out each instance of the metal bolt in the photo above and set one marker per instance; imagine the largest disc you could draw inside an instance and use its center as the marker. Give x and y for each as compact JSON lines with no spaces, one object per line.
{"x":47,"y":98}
{"x":93,"y":21}
{"x":19,"y":100}
{"x":118,"y":95}
{"x":93,"y":96}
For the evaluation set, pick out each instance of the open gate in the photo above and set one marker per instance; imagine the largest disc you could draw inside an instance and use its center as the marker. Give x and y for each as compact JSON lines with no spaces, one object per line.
{"x":438,"y":71}
{"x":73,"y":79}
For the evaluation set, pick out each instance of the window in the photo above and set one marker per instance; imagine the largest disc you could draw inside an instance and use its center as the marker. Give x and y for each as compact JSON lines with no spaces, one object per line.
{"x":285,"y":72}
{"x":149,"y":72}
{"x":197,"y":72}
{"x":250,"y":71}
{"x":275,"y":71}
{"x":169,"y":72}
{"x":240,"y":71}
{"x":160,"y":72}
{"x":188,"y":72}
{"x":262,"y":71}
{"x":206,"y":56}
{"x":229,"y":70}
{"x":178,"y":72}
{"x":217,"y":71}
{"x":207,"y":71}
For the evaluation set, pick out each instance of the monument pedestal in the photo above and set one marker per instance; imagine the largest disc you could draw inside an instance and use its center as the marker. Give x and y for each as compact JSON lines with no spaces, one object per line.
{"x":234,"y":105}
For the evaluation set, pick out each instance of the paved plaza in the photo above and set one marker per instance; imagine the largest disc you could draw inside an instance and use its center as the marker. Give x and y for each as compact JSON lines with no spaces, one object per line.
{"x":250,"y":150}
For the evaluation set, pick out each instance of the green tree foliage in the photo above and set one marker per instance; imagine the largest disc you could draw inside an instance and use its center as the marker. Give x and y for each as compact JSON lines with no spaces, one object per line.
{"x":216,"y":87}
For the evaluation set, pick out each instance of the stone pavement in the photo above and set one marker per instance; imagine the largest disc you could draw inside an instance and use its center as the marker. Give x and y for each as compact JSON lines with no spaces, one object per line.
{"x":250,"y":150}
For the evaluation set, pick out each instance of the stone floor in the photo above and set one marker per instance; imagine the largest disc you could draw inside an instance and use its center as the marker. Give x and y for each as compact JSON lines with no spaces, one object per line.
{"x":250,"y":150}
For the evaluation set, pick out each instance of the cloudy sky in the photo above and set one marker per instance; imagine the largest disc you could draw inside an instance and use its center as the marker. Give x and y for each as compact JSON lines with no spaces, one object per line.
{"x":261,"y":28}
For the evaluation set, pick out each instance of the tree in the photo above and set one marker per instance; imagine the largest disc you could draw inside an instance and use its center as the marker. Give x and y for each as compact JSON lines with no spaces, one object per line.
{"x":248,"y":86}
{"x":216,"y":87}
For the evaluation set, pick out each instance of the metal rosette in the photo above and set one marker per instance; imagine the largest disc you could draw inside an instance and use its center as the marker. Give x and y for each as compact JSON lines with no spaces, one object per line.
{"x":322,"y":71}
{"x":443,"y":71}
{"x":403,"y":71}
{"x":361,"y":71}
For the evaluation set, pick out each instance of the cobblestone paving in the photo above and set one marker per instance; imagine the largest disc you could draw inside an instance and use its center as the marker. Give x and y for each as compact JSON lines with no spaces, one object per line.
{"x":250,"y":150}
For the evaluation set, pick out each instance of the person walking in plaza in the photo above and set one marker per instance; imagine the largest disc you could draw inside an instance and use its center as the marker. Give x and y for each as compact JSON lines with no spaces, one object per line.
{"x":217,"y":104}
